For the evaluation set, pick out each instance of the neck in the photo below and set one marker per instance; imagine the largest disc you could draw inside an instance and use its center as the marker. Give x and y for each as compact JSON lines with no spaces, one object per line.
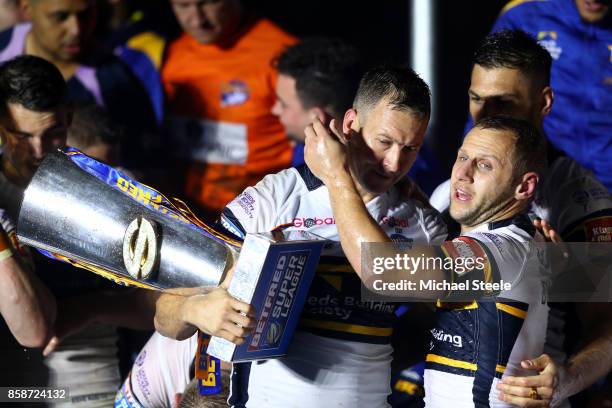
{"x":365,"y":195}
{"x":515,"y":208}
{"x":67,"y":68}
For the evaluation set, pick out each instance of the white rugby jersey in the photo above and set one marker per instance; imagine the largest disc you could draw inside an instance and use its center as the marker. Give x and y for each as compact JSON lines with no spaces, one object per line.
{"x":577,"y":206}
{"x":340,"y":355}
{"x":160,"y":373}
{"x":296,"y":200}
{"x":474,"y":344}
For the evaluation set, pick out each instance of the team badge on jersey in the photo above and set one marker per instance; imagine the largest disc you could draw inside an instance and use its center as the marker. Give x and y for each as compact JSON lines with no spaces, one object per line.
{"x":548,"y":40}
{"x":233,"y":93}
{"x":599,"y":229}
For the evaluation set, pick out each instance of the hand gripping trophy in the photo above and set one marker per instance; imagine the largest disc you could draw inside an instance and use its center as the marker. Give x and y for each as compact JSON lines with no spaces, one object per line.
{"x":89,"y":214}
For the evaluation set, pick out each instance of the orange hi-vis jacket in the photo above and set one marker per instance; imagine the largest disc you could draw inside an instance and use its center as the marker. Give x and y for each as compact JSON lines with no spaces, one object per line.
{"x":220,"y":120}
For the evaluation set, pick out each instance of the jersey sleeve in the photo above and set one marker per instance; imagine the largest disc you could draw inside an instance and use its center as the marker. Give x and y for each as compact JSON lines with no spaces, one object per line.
{"x":434,"y":226}
{"x":440,"y":198}
{"x":257,"y":208}
{"x":578,"y":205}
{"x":490,"y":264}
{"x":162,"y":370}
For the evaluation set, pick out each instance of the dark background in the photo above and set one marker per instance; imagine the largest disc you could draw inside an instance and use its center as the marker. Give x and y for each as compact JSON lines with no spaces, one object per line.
{"x":381,"y":30}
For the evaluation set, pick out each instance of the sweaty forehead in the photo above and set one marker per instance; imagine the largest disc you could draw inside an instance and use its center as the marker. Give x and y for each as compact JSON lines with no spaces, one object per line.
{"x":497,"y":144}
{"x":404,"y":126}
{"x":496,"y":81}
{"x":18,"y":118}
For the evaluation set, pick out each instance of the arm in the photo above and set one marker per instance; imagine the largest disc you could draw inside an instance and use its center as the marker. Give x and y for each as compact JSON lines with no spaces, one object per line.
{"x":557,"y":382}
{"x":215,"y":313}
{"x":26,"y":304}
{"x":326,"y":158}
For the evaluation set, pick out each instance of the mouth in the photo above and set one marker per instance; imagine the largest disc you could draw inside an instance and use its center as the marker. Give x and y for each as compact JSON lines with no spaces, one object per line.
{"x":72,"y":48}
{"x":383,"y":175}
{"x":595,"y":6}
{"x":461,"y":195}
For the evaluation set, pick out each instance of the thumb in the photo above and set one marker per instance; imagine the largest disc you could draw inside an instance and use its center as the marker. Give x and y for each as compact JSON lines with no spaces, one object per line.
{"x":538,"y":364}
{"x":51,"y":345}
{"x":334,"y":126}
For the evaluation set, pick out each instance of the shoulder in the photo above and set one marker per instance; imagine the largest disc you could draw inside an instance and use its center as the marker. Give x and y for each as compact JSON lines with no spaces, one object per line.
{"x":112,"y":73}
{"x":571,"y":194}
{"x":259,"y":208}
{"x":517,"y":8}
{"x":508,"y":239}
{"x":150,"y":44}
{"x":440,"y":198}
{"x":267,"y":30}
{"x":419,"y":218}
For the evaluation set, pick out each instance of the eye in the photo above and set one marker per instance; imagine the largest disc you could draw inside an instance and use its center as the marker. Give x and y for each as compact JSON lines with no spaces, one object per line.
{"x":483,"y":165}
{"x":411,"y":148}
{"x":461,"y":158}
{"x":475,"y":99}
{"x":60,"y":16}
{"x":384,"y":142}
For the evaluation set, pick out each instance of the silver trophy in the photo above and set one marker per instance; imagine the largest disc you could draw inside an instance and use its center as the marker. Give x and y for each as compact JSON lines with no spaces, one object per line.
{"x":119,"y":228}
{"x":69,"y":212}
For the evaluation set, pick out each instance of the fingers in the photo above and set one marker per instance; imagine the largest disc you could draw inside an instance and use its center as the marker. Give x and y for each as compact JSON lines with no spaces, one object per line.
{"x":524,"y":402}
{"x":336,"y":128}
{"x":228,"y":277}
{"x":236,"y":330}
{"x":242,"y":307}
{"x":317,"y":130}
{"x":547,"y":230}
{"x":242,"y":320}
{"x":51,"y":346}
{"x":310,"y":133}
{"x":525,"y":392}
{"x":230,"y":337}
{"x":540,"y":363}
{"x":544,"y":380}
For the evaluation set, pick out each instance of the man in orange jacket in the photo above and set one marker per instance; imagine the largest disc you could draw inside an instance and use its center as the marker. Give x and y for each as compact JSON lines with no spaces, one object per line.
{"x":219,"y":82}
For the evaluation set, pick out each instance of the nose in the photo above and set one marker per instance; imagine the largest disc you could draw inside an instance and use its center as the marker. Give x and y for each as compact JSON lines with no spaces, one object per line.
{"x":37,"y":148}
{"x":200,"y":16}
{"x":393,"y":160}
{"x":73,"y":26}
{"x":464,"y":171}
{"x":276,"y":108}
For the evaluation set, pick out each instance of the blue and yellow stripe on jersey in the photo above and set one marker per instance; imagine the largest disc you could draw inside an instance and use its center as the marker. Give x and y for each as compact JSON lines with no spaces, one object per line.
{"x":475,"y":340}
{"x":334,"y":307}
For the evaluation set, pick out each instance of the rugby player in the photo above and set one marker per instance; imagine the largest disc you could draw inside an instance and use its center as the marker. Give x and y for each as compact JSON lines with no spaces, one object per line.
{"x":511,"y":75}
{"x":27,"y":307}
{"x":493,"y":180}
{"x":34,"y":121}
{"x":340,"y":355}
